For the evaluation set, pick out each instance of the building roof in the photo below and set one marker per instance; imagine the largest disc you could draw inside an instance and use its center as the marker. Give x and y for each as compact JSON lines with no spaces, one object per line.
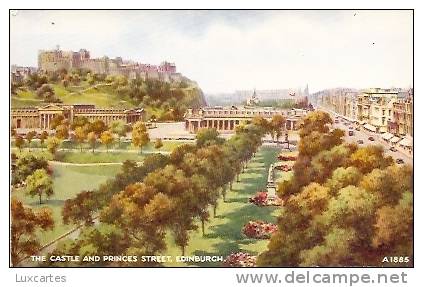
{"x":387,"y":136}
{"x":406,"y":142}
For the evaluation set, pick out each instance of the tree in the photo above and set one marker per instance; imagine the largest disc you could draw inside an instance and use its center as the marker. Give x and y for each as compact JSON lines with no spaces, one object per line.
{"x":39,"y":183}
{"x":62,"y":131}
{"x":80,"y":136}
{"x":370,"y":157}
{"x":158,"y":144}
{"x":19,"y":142}
{"x":92,"y":140}
{"x":86,"y":203}
{"x":140,"y":135}
{"x":143,"y":214}
{"x":278,"y":125}
{"x":56,"y":121}
{"x":206,"y":137}
{"x":25,"y":224}
{"x":107,"y":139}
{"x":79,"y":122}
{"x":25,"y":165}
{"x":98,"y":126}
{"x":29,"y":137}
{"x":45,"y":92}
{"x":53,"y":144}
{"x":43,"y":137}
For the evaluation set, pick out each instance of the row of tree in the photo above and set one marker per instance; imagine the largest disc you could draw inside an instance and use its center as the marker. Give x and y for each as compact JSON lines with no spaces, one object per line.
{"x":82,"y":131}
{"x":344,"y":206}
{"x":166,"y":194}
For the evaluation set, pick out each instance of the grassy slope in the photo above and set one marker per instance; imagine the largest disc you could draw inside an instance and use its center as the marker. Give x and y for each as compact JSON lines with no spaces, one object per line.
{"x":67,"y":182}
{"x":223,"y":233}
{"x":100,"y":96}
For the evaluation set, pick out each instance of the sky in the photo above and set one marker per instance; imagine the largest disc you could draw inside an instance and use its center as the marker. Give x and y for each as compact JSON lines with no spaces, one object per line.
{"x":224,"y":51}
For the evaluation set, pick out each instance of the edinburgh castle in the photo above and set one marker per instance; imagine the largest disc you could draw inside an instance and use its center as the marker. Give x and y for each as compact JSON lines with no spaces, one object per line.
{"x":56,"y":60}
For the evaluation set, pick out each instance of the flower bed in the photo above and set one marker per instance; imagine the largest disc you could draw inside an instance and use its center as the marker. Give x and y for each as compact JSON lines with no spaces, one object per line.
{"x":261,"y":199}
{"x":240,"y":259}
{"x":287,"y":157}
{"x":283,"y":167}
{"x":259,"y":229}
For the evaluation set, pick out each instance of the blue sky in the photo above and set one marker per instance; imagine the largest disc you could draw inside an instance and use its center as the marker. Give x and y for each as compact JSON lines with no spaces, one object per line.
{"x":228,"y":50}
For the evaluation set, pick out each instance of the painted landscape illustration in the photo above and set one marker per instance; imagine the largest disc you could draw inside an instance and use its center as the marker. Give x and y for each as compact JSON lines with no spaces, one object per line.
{"x":211,"y":138}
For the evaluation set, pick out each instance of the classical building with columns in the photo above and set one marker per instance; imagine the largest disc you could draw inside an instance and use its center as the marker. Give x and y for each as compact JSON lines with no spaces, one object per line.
{"x":225,"y":119}
{"x":41,"y":117}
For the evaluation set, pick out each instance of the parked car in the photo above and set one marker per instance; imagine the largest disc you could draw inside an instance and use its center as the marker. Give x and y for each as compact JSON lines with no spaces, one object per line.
{"x":350,"y":128}
{"x":350,"y":133}
{"x":360,"y":142}
{"x":399,"y":161}
{"x":336,"y":122}
{"x":357,"y":129}
{"x":371,"y":138}
{"x":392,"y":148}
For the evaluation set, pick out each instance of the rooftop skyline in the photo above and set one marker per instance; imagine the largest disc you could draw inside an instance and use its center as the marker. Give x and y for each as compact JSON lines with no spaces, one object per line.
{"x":226,"y":51}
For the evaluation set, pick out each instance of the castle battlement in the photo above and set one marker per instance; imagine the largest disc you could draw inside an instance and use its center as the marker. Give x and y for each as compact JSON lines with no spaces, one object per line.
{"x":55,"y":60}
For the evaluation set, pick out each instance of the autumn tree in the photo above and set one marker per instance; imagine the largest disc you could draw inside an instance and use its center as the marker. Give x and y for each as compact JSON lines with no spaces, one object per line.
{"x":24,"y":225}
{"x":140,"y":136}
{"x":143,"y":214}
{"x":86,"y":203}
{"x":173,"y":183}
{"x":278,"y":125}
{"x":53,"y":144}
{"x":43,"y":137}
{"x":92,"y":140}
{"x":62,"y":131}
{"x":158,"y":143}
{"x":19,"y":142}
{"x":206,"y":137}
{"x":80,"y":136}
{"x":39,"y":183}
{"x":98,"y":126}
{"x":29,"y":137}
{"x":119,"y":128}
{"x":107,"y":139}
{"x":344,"y":205}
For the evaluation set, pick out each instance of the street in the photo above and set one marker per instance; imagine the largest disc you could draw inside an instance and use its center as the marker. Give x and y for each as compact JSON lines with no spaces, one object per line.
{"x":364,"y":135}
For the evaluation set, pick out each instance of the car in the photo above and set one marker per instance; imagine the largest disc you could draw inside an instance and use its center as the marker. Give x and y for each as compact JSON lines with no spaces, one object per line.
{"x":392,"y":148}
{"x":371,"y":139}
{"x":360,"y":142}
{"x":399,"y":161}
{"x":336,"y":122}
{"x":357,"y":129}
{"x":350,"y":133}
{"x":350,"y":128}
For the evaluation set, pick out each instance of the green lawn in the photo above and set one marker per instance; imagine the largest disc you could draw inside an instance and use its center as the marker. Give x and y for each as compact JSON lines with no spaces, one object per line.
{"x":98,"y":157}
{"x":223,"y":233}
{"x":120,"y":152}
{"x":67,"y":182}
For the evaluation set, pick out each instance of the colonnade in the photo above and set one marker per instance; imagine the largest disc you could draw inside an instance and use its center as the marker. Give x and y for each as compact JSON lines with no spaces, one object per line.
{"x":223,"y":125}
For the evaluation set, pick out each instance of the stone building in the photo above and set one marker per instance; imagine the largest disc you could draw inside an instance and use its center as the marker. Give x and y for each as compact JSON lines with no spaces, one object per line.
{"x":401,"y":123}
{"x":375,"y":107}
{"x":225,"y":119}
{"x":55,"y":60}
{"x":41,"y":117}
